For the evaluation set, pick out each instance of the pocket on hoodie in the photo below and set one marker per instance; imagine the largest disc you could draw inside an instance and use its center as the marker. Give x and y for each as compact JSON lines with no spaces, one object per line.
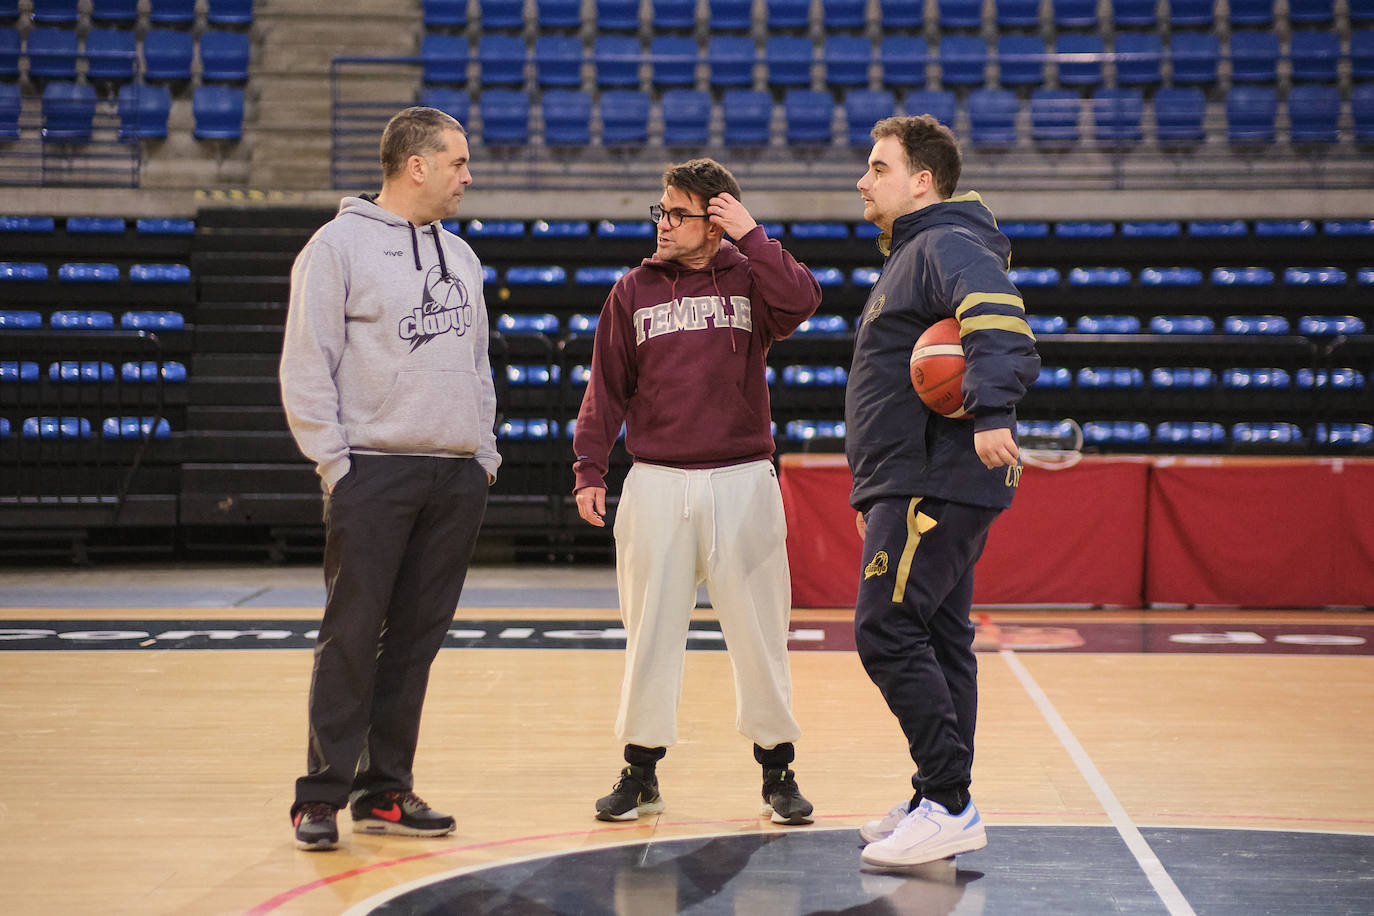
{"x":426,"y":410}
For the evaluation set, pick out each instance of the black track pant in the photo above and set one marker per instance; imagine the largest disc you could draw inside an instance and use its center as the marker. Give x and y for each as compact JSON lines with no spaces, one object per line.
{"x":913,"y":631}
{"x":399,"y":532}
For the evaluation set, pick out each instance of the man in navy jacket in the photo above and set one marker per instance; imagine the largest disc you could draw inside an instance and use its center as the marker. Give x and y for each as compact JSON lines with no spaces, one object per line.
{"x":928,"y":487}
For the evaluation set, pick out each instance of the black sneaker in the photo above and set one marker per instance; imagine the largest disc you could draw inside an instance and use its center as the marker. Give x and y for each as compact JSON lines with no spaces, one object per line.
{"x":634,"y":794}
{"x":783,"y":800}
{"x":399,"y":814}
{"x":315,"y":827}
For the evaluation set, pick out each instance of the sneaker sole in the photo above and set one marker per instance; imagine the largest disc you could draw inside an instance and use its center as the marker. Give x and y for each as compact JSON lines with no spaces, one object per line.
{"x":931,"y":853}
{"x":653,"y":807}
{"x":795,"y":820}
{"x":386,"y":828}
{"x":316,"y":845}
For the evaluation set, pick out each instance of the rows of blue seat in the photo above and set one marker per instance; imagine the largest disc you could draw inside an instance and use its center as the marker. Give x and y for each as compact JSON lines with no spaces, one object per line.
{"x":146,"y":371}
{"x":70,"y":110}
{"x":79,"y":272}
{"x":60,"y":427}
{"x":118,"y":56}
{"x":126,"y":12}
{"x":897,"y":60}
{"x":776,"y":15}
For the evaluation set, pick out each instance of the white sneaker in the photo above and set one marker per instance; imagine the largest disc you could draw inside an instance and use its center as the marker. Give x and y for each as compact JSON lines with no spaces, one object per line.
{"x":926,"y":834}
{"x":881,"y":828}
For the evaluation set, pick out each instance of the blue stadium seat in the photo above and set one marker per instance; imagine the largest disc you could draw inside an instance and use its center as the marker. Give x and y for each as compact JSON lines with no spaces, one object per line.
{"x":111,"y":55}
{"x":1242,"y":276}
{"x":939,"y":103}
{"x":88,"y":273}
{"x":1182,"y":377}
{"x":528,"y":324}
{"x":903,"y":60}
{"x":56,"y":428}
{"x":501,"y":59}
{"x":163,"y":321}
{"x":231,"y":12}
{"x":959,"y":14}
{"x":159,"y":273}
{"x":864,"y":276}
{"x":822,"y":325}
{"x":159,"y":226}
{"x":847,"y":60}
{"x":1054,"y":116}
{"x":505,"y":117}
{"x":804,"y":430}
{"x":445,"y":14}
{"x":1315,"y":276}
{"x":1197,"y":13}
{"x":494,"y":228}
{"x":23,"y":272}
{"x":963,"y":58}
{"x":686,"y":117}
{"x":1315,"y":12}
{"x":558,"y":61}
{"x":1330,"y":326}
{"x":1084,"y":229}
{"x":224,"y":56}
{"x":1182,"y":324}
{"x":444,"y":59}
{"x":68,"y":111}
{"x":1251,"y":12}
{"x":167,"y":55}
{"x":593,"y":276}
{"x":1314,"y":114}
{"x":56,"y":11}
{"x":1074,"y":14}
{"x":1267,"y":433}
{"x":1170,"y":276}
{"x":862,"y":109}
{"x":827,"y":276}
{"x":617,"y":59}
{"x":674,"y":14}
{"x":808,"y":114}
{"x":1348,"y":227}
{"x":617,"y":15}
{"x":674,"y":60}
{"x":1345,"y":434}
{"x":1151,"y":229}
{"x":1053,"y":377}
{"x":1314,"y":55}
{"x":1255,"y":324}
{"x":730,"y":15}
{"x":1178,"y":115}
{"x":814,"y":376}
{"x":1254,"y":57}
{"x":1344,"y":379}
{"x":1192,"y":433}
{"x":1116,"y":115}
{"x":1110,"y":377}
{"x":624,"y":117}
{"x":558,"y":14}
{"x":1021,"y":60}
{"x":172,"y":12}
{"x":567,"y":117}
{"x":13,"y":371}
{"x":1017,"y":14}
{"x":1033,"y":277}
{"x":842,"y":15}
{"x":135,"y":428}
{"x":1080,"y":57}
{"x":149,"y":371}
{"x":1116,"y":432}
{"x":501,"y":14}
{"x":10,"y":46}
{"x":74,"y":319}
{"x":788,"y":58}
{"x":561,"y":229}
{"x":1100,"y":276}
{"x":992,"y":117}
{"x":522,"y":376}
{"x":1138,"y":58}
{"x":11,"y":320}
{"x":1194,"y":56}
{"x":1250,"y":114}
{"x":625,"y":229}
{"x":731,"y":60}
{"x":11,"y":106}
{"x":747,"y":115}
{"x":1021,"y":229}
{"x":96,"y":225}
{"x":786,"y":14}
{"x":819,"y":230}
{"x":52,"y":53}
{"x":1362,"y":112}
{"x":533,"y":275}
{"x":1362,"y":54}
{"x":1134,"y":14}
{"x":453,"y":102}
{"x":123,"y":12}
{"x":901,"y":14}
{"x":218,"y":112}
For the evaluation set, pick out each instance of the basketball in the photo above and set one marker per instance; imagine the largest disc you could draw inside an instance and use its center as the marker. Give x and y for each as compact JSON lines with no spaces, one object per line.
{"x":937,"y":369}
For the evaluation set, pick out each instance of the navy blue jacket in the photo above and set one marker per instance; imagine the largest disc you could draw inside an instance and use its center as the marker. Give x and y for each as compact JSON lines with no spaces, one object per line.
{"x":946,"y":260}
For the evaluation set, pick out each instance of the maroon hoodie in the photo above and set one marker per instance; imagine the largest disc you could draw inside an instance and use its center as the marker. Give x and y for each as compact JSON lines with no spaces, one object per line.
{"x":680,"y":359}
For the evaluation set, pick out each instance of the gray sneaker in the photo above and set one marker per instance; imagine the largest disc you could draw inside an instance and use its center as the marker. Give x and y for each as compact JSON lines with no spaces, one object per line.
{"x":316,"y":829}
{"x":783,"y":800}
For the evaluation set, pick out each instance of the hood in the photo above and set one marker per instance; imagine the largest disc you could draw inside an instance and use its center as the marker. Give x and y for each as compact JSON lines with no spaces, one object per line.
{"x":965,"y":211}
{"x":366,"y":207}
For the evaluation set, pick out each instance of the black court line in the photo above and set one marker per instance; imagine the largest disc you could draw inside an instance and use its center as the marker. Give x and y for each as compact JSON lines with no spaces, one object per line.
{"x":1024,"y":870}
{"x":132,"y":633}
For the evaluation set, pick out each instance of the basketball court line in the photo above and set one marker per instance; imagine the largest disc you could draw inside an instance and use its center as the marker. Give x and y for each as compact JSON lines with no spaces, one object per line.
{"x":1154,"y":870}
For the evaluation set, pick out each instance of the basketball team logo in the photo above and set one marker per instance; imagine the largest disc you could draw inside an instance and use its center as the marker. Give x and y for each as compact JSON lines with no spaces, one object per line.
{"x":876,"y":566}
{"x":444,"y":307}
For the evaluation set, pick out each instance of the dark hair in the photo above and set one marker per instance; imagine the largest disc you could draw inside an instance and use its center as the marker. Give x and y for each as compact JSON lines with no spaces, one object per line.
{"x":929,"y":145}
{"x":414,"y":131}
{"x":704,"y":177}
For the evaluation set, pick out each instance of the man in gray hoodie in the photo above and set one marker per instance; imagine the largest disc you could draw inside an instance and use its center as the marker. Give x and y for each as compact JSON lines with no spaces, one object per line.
{"x":387,"y":388}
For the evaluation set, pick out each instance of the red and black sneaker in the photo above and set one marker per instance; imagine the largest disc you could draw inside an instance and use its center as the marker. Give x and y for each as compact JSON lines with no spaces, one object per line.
{"x":399,"y":814}
{"x":315,"y":827}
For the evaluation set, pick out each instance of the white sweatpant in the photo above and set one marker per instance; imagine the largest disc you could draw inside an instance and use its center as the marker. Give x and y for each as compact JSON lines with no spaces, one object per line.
{"x":674,"y":529}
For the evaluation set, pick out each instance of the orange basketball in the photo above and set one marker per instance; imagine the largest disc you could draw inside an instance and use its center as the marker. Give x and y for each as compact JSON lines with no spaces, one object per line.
{"x":937,"y":369}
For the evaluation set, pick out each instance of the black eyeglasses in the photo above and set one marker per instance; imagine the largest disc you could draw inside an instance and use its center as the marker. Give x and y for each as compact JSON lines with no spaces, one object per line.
{"x":675,"y":217}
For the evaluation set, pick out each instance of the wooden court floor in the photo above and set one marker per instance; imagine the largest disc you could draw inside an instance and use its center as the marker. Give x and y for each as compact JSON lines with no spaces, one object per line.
{"x":141,"y":776}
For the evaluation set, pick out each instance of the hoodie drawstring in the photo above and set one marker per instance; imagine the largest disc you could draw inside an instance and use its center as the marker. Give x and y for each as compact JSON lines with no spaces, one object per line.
{"x":726,"y":306}
{"x":414,"y":244}
{"x":438,"y":246}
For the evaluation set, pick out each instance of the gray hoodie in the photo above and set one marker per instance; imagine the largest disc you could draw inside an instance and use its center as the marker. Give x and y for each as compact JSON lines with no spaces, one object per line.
{"x":386,"y":344}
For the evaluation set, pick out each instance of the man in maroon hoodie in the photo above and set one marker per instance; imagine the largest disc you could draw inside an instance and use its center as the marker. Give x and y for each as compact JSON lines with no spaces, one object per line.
{"x":679,"y":359}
